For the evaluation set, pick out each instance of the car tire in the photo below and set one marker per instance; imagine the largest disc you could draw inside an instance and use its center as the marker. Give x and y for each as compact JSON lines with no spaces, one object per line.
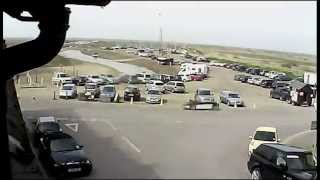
{"x":228,"y":103}
{"x":256,"y":174}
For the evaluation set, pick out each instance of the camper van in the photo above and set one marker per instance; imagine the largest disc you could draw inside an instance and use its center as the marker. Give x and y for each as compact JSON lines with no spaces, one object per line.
{"x":191,"y":68}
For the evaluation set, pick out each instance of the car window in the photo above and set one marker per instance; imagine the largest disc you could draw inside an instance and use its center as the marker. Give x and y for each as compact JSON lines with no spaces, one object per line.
{"x":204,"y":92}
{"x":49,"y":126}
{"x":108,"y":89}
{"x":64,"y":75}
{"x":159,"y":83}
{"x":264,"y":136}
{"x":180,"y":84}
{"x":154,"y":92}
{"x":300,"y":162}
{"x":67,"y":87}
{"x":95,"y":77}
{"x":234,"y":96}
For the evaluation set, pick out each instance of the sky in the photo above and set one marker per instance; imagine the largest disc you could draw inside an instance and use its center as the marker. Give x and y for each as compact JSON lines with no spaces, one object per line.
{"x":282,"y":26}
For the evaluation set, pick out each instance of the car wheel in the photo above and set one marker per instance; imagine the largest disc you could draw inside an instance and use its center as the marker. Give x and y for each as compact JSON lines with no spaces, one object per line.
{"x":256,"y":174}
{"x":281,"y":98}
{"x":228,"y":103}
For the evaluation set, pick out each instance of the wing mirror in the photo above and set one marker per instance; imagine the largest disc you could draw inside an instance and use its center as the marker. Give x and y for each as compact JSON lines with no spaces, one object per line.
{"x":250,"y":138}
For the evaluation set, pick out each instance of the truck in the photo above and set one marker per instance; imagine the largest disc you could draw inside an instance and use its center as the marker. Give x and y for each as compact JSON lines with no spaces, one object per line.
{"x":310,"y":78}
{"x":61,"y":78}
{"x":193,"y":68}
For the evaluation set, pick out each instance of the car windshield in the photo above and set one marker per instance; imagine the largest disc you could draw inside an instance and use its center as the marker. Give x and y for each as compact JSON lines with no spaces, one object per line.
{"x":49,"y":126}
{"x":64,"y":75}
{"x":108,"y":89}
{"x":180,"y":84}
{"x":234,"y":96}
{"x":300,"y":162}
{"x":95,"y":77}
{"x":132,"y":89}
{"x":158,"y":83}
{"x":148,"y":76}
{"x":205,"y":92}
{"x":67,"y":87}
{"x":65,"y":144}
{"x":264,"y":136}
{"x":154,"y":92}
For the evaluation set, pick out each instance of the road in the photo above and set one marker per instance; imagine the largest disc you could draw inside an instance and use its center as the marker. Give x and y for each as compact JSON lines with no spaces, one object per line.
{"x":121,"y":67}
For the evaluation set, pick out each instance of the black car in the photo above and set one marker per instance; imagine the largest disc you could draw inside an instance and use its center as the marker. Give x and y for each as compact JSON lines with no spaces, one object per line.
{"x":277,"y":84}
{"x":79,"y":80}
{"x":63,"y":155}
{"x":45,"y":125}
{"x":282,"y":78}
{"x":282,"y":93}
{"x":280,"y":161}
{"x":132,"y":91}
{"x":266,"y":83}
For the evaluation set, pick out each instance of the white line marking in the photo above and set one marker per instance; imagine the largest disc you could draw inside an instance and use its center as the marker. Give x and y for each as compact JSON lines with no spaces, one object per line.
{"x":131,"y":144}
{"x":62,"y":118}
{"x":73,"y":126}
{"x":112,"y":126}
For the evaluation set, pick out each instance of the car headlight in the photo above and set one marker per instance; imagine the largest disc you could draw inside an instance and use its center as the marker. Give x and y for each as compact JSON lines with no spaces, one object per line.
{"x":88,"y":162}
{"x":59,"y":164}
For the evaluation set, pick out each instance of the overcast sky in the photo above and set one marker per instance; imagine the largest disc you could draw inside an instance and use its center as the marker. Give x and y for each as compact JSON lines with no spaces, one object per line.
{"x":283,"y":26}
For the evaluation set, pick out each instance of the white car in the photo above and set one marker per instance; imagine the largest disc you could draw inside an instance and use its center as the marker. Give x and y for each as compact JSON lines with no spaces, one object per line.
{"x":153,"y":96}
{"x":95,"y":79}
{"x":144,"y":77}
{"x":61,"y":78}
{"x":155,"y":84}
{"x":68,"y":91}
{"x":263,"y":135}
{"x":185,"y":77}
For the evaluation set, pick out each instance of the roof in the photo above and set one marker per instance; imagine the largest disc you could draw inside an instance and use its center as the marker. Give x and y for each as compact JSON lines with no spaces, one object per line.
{"x":297,"y":84}
{"x":69,"y":84}
{"x":47,"y":119}
{"x":285,"y":148}
{"x":268,"y":129}
{"x":203,"y":89}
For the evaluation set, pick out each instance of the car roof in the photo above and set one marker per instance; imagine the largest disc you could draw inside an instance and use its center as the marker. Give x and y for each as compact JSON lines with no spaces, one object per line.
{"x":286,"y":148}
{"x":109,"y":85}
{"x":203,"y":89}
{"x":69,"y":84}
{"x":47,"y":119}
{"x":268,"y":129}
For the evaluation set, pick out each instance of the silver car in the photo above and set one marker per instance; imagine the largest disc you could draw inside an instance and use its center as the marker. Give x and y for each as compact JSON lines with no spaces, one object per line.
{"x":108,"y":91}
{"x":230,"y":98}
{"x":204,"y":96}
{"x":175,"y":86}
{"x":153,"y":96}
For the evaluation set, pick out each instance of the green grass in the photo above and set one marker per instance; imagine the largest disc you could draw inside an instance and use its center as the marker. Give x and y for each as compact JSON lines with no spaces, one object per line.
{"x":59,"y":61}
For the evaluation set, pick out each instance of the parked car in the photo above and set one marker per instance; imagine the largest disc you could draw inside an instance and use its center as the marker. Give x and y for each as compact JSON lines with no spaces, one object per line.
{"x":63,"y":155}
{"x":263,"y":72}
{"x":45,"y":125}
{"x":251,"y":80}
{"x":132,"y":91}
{"x":196,"y":77}
{"x":61,"y":78}
{"x":95,"y":79}
{"x":155,"y":84}
{"x":257,"y":81}
{"x":144,"y":77}
{"x":92,"y":89}
{"x":263,"y":135}
{"x":245,"y":78}
{"x":108,"y":92}
{"x":280,"y":161}
{"x":266,"y":83}
{"x":277,"y":84}
{"x":238,"y":77}
{"x":68,"y":91}
{"x":185,"y":77}
{"x":153,"y":96}
{"x":175,"y":86}
{"x":282,"y":93}
{"x":108,"y":78}
{"x":230,"y":98}
{"x":203,"y":96}
{"x":80,"y":80}
{"x":281,"y":77}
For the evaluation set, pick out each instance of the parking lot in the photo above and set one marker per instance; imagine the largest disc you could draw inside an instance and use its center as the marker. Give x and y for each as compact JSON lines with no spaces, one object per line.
{"x":164,"y":141}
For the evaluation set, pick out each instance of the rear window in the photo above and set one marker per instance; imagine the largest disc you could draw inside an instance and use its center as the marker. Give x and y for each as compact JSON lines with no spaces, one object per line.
{"x":300,"y":162}
{"x":67,"y":87}
{"x":264,"y":136}
{"x":234,"y":96}
{"x":180,"y":84}
{"x":205,"y":92}
{"x":108,"y":89}
{"x":159,"y":83}
{"x":148,"y":76}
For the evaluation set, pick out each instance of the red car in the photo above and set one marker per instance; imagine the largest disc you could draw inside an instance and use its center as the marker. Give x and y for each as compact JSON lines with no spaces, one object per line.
{"x":197,"y":77}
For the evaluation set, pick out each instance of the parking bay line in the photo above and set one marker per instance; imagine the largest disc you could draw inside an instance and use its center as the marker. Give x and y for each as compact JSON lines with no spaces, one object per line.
{"x":111,"y":125}
{"x":131,"y":144}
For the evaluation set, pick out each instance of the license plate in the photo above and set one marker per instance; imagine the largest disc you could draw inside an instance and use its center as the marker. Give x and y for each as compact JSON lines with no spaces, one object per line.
{"x":74,"y":170}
